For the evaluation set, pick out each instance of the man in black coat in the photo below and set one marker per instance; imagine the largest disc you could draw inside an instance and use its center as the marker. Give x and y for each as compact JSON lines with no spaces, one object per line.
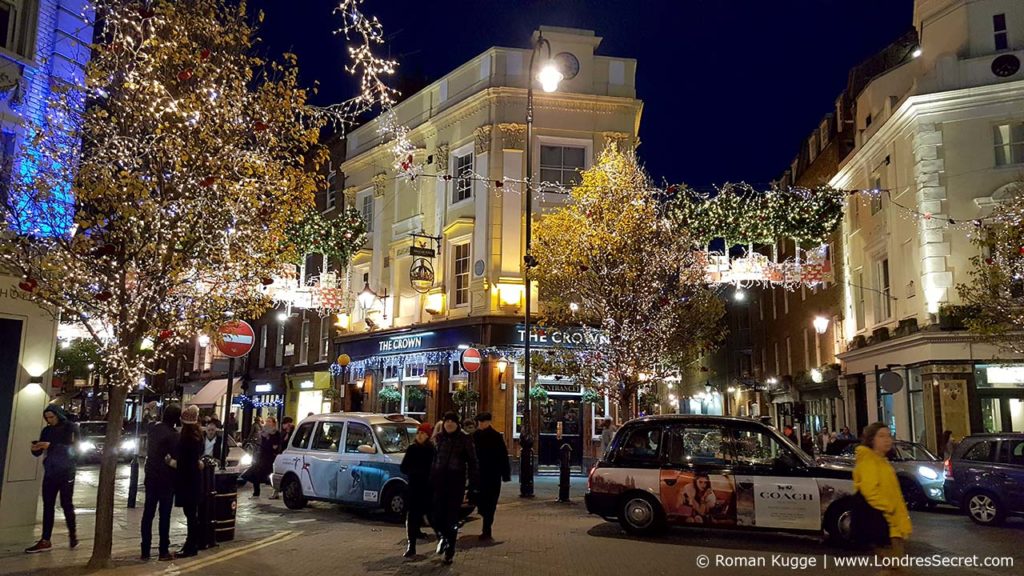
{"x":159,"y":482}
{"x":494,"y":469}
{"x":416,"y":464}
{"x":454,"y":463}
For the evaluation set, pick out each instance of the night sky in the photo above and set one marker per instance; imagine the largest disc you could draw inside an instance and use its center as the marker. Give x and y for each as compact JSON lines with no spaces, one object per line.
{"x":731,"y":88}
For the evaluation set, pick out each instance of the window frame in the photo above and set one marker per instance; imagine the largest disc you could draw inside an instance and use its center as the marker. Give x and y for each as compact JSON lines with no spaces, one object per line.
{"x":325,"y":339}
{"x":331,"y":194}
{"x":365,"y":202}
{"x":462,"y":183}
{"x":304,"y":342}
{"x":298,"y":436}
{"x":279,"y":348}
{"x":883,"y":285}
{"x":457,"y":276}
{"x":1000,"y":33}
{"x":555,"y":141}
{"x":262,"y":362}
{"x":348,"y":428}
{"x":561,"y":168}
{"x":1013,"y":150}
{"x":323,"y":425}
{"x":621,"y":438}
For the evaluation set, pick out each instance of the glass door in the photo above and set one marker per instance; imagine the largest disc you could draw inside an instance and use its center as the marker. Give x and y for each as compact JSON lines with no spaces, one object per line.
{"x":566,"y":411}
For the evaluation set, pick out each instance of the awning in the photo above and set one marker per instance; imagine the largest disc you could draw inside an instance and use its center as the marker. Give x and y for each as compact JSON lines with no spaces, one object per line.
{"x":214,"y":391}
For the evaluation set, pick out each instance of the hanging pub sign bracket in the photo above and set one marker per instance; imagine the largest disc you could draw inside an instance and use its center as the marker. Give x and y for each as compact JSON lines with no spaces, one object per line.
{"x":420,"y":248}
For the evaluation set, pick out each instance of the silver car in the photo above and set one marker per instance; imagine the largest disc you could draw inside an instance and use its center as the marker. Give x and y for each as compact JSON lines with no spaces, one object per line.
{"x":919,"y":471}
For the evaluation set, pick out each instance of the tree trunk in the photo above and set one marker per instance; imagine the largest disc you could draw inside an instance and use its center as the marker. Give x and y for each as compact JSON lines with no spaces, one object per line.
{"x":108,"y":471}
{"x":626,"y":403}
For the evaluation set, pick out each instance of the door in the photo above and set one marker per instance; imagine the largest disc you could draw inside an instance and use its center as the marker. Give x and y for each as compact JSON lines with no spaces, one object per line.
{"x":323,"y":461}
{"x":697,"y":484}
{"x":352,"y":486}
{"x":10,"y":335}
{"x":772,"y":493}
{"x":1010,"y":471}
{"x":567,"y":411}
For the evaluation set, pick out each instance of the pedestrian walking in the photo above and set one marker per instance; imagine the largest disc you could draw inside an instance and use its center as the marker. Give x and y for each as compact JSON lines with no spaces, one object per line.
{"x":468,"y":426}
{"x":454,"y":467}
{"x":608,"y":430}
{"x":880,"y":518}
{"x":188,"y":466}
{"x":416,"y":465}
{"x":287,"y":428}
{"x":55,"y":445}
{"x":492,"y":456}
{"x":266,"y":452}
{"x":159,"y":482}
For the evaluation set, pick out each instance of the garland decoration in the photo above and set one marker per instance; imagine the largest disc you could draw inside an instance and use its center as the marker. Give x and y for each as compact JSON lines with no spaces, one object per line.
{"x":336,"y":238}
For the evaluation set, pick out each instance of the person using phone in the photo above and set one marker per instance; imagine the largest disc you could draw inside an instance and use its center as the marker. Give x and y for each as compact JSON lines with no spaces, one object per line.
{"x":55,"y":444}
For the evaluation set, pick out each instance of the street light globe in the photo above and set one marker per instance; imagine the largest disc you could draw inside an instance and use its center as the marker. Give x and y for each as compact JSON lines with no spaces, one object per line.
{"x":820,"y":324}
{"x":917,"y":52}
{"x":549,"y":76}
{"x":816,"y":376}
{"x":282,"y":316}
{"x":502,"y":365}
{"x":731,"y":389}
{"x":574,"y":307}
{"x":367,"y":296}
{"x":739,"y":296}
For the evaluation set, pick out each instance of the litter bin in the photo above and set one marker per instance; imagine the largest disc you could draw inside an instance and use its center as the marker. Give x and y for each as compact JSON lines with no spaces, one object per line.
{"x":225,"y":504}
{"x":207,"y":538}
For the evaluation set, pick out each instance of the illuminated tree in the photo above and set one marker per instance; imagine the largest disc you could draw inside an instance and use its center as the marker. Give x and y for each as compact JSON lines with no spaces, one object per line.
{"x":613,"y":262}
{"x":995,"y":294}
{"x":161,"y":223}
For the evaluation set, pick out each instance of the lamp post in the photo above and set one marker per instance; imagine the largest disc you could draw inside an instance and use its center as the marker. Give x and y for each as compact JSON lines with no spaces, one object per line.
{"x":549,"y":77}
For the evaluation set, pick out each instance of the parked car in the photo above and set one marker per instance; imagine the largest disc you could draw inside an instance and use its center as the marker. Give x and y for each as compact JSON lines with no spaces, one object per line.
{"x":349,"y":458}
{"x":718,"y":471}
{"x":92,"y":436}
{"x":985,"y":477}
{"x":919,"y":471}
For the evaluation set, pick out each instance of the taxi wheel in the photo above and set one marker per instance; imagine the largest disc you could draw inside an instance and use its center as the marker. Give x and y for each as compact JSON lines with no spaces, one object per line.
{"x":838,"y":523}
{"x":984,"y":509}
{"x":393,"y":502}
{"x":291,"y":493}
{"x":641,"y":514}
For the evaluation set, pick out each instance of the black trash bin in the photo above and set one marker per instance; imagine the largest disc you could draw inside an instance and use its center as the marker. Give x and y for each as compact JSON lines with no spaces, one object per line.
{"x":225,"y":504}
{"x":207,"y":538}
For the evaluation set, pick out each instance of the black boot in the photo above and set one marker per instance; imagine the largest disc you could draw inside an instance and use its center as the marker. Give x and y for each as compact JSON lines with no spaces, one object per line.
{"x":410,"y":551}
{"x":449,"y":553}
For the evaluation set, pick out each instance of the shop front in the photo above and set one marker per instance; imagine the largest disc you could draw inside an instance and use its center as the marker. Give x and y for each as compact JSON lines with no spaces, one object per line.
{"x":308,"y":393}
{"x":262,"y":398}
{"x":1000,"y":396}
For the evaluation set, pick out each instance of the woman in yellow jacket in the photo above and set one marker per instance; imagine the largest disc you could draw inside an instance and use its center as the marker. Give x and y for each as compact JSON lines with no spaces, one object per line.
{"x":875,"y":479}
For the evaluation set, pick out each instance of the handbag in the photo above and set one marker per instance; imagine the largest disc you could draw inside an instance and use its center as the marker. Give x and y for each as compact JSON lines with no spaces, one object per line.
{"x":868,"y":526}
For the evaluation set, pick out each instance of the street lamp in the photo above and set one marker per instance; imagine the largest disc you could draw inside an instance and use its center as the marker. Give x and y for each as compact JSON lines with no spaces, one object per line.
{"x":549,"y":78}
{"x":820,"y":324}
{"x":204,"y":340}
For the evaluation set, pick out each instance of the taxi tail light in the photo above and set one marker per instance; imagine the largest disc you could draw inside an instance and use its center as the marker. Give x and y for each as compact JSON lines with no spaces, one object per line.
{"x":590,"y":477}
{"x":947,"y":467}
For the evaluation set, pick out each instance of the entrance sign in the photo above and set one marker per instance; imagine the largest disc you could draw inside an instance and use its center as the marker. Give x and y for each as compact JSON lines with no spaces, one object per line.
{"x":236,"y":338}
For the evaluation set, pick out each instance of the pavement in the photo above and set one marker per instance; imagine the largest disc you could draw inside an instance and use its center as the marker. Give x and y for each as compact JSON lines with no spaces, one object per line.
{"x":537,"y":536}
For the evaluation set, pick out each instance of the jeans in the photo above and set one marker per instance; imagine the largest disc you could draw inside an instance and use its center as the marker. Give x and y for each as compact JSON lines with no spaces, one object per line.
{"x":487,"y":503}
{"x":165,"y":501}
{"x":65,"y":486}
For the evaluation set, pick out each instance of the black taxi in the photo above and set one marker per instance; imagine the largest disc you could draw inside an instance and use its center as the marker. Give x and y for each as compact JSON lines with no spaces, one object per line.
{"x":717,"y":471}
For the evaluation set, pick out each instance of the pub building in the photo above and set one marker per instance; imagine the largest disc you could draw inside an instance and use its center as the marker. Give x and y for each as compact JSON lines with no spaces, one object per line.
{"x":423,"y":365}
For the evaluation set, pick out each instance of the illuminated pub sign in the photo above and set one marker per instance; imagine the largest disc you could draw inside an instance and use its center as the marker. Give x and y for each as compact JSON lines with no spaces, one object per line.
{"x":549,"y":336}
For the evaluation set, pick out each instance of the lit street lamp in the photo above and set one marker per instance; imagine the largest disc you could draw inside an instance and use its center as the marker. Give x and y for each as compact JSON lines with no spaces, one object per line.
{"x":549,"y":77}
{"x":820,"y":324}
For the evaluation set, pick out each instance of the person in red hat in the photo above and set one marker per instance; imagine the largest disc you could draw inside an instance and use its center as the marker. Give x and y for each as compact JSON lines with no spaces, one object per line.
{"x":416,"y":466}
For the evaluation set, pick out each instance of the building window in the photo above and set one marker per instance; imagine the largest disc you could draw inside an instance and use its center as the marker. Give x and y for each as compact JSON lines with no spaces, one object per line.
{"x":460,"y":269}
{"x":392,"y":372}
{"x":364,"y":203}
{"x":858,"y":297}
{"x":279,"y":352}
{"x":304,"y":342}
{"x":263,"y":346}
{"x":883,"y":303}
{"x":8,"y":25}
{"x":1009,"y":143}
{"x":325,"y":338}
{"x":332,"y":190}
{"x":775,"y":307}
{"x":414,"y":393}
{"x":876,"y":196}
{"x":561,"y":165}
{"x":600,"y":410}
{"x":463,"y":189}
{"x":807,"y":350}
{"x":1002,"y":39}
{"x":778,"y":369}
{"x":789,"y":356}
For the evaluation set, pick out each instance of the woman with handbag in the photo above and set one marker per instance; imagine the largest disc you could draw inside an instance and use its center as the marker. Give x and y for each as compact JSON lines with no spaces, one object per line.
{"x":881,"y":519}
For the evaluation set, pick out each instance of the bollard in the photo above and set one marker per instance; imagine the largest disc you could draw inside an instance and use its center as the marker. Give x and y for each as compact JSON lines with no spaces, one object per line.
{"x":563,"y":473}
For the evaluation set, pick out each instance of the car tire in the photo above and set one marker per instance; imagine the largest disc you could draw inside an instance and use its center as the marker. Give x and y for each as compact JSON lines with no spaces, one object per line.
{"x":984,"y":508}
{"x":838,"y":523}
{"x":641,"y":514}
{"x":393,"y":502}
{"x":291,"y":493}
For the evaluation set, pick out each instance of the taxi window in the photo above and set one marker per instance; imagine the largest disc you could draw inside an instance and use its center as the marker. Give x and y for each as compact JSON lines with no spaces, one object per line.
{"x":640,"y":446}
{"x":302,"y":434}
{"x":327,"y":437}
{"x":756,"y":448}
{"x":696,"y":445}
{"x":358,"y":435}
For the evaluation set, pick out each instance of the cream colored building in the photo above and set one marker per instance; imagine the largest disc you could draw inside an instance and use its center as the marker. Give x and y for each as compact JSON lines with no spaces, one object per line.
{"x":943,"y":132}
{"x":472,"y":121}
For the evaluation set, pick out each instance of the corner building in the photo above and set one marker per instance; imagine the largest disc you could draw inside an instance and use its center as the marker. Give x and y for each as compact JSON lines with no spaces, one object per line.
{"x":468,"y":130}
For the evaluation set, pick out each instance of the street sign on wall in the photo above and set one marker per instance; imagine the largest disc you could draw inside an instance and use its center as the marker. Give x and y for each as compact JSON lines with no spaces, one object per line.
{"x":236,"y":338}
{"x":471,"y":360}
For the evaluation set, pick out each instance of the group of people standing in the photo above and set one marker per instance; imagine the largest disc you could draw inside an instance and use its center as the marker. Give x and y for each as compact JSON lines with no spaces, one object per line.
{"x":446,"y":467}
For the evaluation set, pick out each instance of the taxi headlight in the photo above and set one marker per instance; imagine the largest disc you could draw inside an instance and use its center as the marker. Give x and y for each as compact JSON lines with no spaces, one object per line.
{"x":246,"y":460}
{"x":129,"y":444}
{"x":928,"y":473}
{"x":86,"y":446}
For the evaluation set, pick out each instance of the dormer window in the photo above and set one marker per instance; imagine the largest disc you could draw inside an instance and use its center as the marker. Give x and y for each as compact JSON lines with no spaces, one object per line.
{"x":1002,"y":39}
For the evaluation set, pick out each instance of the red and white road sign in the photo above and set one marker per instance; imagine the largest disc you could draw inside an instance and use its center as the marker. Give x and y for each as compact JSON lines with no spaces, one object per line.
{"x":470,"y":360}
{"x":236,"y":338}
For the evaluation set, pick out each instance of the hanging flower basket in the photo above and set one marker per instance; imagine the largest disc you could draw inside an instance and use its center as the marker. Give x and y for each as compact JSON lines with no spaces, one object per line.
{"x":415,"y":393}
{"x":388,"y":395}
{"x":464,"y":397}
{"x":591,"y":396}
{"x":539,"y":395}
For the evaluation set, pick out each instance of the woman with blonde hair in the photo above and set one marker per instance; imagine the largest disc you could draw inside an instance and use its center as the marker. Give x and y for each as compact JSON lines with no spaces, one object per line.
{"x":881,"y":518}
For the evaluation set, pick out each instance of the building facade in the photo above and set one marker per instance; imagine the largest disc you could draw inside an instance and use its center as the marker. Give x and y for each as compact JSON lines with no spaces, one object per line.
{"x":443,"y":267}
{"x":941,"y":136}
{"x":44,"y":42}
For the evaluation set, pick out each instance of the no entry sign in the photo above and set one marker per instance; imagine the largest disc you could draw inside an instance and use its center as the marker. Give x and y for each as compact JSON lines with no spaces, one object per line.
{"x":236,"y":338}
{"x":470,"y":360}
